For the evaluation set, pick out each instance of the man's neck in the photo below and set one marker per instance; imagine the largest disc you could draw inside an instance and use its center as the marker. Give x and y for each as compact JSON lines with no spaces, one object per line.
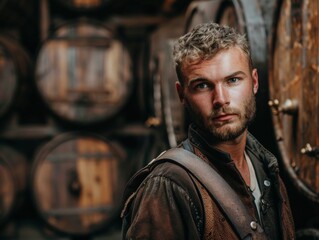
{"x":234,"y":147}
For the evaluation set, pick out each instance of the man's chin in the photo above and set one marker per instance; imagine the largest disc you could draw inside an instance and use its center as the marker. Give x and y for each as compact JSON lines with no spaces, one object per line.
{"x":225,"y":133}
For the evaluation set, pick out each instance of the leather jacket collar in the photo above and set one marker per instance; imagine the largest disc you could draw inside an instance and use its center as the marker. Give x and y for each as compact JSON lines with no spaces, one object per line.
{"x":252,"y":146}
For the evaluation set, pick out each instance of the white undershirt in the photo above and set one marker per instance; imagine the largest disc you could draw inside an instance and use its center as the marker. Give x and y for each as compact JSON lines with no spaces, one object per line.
{"x":253,"y":183}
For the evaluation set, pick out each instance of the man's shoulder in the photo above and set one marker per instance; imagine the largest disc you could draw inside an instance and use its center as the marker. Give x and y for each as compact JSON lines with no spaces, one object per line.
{"x":172,"y":172}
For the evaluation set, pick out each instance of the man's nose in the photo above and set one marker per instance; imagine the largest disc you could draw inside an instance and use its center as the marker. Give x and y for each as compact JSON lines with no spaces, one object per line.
{"x":220,"y":97}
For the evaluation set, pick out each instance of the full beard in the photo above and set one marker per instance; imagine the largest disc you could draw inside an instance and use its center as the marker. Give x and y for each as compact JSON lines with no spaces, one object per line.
{"x":225,"y":132}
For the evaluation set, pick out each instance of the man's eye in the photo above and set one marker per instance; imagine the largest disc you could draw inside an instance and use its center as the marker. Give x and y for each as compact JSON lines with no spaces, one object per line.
{"x":233,"y":80}
{"x":201,"y":86}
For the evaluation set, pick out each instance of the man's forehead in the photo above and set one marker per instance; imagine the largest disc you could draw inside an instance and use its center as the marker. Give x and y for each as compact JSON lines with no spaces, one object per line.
{"x":194,"y":63}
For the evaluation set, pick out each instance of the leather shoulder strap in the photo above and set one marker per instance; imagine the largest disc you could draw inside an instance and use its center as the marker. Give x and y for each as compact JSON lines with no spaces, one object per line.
{"x":219,"y":189}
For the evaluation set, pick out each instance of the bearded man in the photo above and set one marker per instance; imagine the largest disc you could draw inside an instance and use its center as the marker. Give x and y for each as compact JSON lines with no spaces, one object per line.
{"x":217,"y":84}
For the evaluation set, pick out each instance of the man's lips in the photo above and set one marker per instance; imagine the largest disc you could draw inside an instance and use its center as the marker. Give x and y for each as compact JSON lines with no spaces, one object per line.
{"x":223,"y":117}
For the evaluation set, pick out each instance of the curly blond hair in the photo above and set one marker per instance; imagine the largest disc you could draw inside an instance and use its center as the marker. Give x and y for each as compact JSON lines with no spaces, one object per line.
{"x":203,"y":42}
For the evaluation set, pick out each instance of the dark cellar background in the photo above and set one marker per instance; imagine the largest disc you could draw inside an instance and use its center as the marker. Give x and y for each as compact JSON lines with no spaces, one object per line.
{"x":69,"y":141}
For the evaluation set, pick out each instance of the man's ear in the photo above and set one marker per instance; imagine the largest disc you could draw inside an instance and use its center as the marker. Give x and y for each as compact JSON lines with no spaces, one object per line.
{"x":255,"y":80}
{"x":180,"y":91}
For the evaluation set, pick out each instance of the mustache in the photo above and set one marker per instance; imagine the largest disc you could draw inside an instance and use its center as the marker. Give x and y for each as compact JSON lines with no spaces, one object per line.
{"x":223,"y":111}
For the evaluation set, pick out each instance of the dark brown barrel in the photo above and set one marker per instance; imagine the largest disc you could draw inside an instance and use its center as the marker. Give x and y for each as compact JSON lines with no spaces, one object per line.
{"x":77,"y":182}
{"x":14,"y":69}
{"x":13,"y":178}
{"x":83,"y":73}
{"x":83,"y":5}
{"x":167,"y":107}
{"x":294,"y":92}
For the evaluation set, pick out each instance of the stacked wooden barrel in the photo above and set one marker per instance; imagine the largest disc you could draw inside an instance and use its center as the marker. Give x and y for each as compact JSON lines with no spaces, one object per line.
{"x":82,"y":151}
{"x":84,"y":73}
{"x":77,"y":181}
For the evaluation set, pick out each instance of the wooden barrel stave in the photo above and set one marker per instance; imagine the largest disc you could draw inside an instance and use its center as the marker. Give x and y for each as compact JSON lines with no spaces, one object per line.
{"x":294,"y":83}
{"x":83,"y":73}
{"x":76,"y":183}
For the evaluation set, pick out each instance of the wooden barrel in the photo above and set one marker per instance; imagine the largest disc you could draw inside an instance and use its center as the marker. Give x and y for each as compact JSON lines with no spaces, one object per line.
{"x":83,"y":5}
{"x":294,"y":92}
{"x":167,"y":107}
{"x":13,"y":178}
{"x":77,"y":184}
{"x":83,"y":73}
{"x":14,"y":69}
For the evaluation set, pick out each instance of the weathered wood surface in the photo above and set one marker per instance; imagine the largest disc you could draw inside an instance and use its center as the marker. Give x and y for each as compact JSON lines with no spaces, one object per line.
{"x":83,"y":73}
{"x":76,"y":183}
{"x":294,"y":92}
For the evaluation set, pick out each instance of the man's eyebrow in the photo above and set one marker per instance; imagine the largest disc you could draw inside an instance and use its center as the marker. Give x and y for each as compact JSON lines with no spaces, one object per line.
{"x":197,"y":79}
{"x":235,"y":74}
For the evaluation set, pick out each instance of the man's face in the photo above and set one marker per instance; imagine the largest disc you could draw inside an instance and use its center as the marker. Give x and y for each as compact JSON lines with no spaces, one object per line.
{"x":220,"y":94}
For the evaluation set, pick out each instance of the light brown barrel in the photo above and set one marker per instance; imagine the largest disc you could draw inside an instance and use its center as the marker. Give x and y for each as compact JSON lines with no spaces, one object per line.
{"x":14,"y":69}
{"x":13,"y":178}
{"x":294,"y":92}
{"x":83,"y":73}
{"x":77,"y":183}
